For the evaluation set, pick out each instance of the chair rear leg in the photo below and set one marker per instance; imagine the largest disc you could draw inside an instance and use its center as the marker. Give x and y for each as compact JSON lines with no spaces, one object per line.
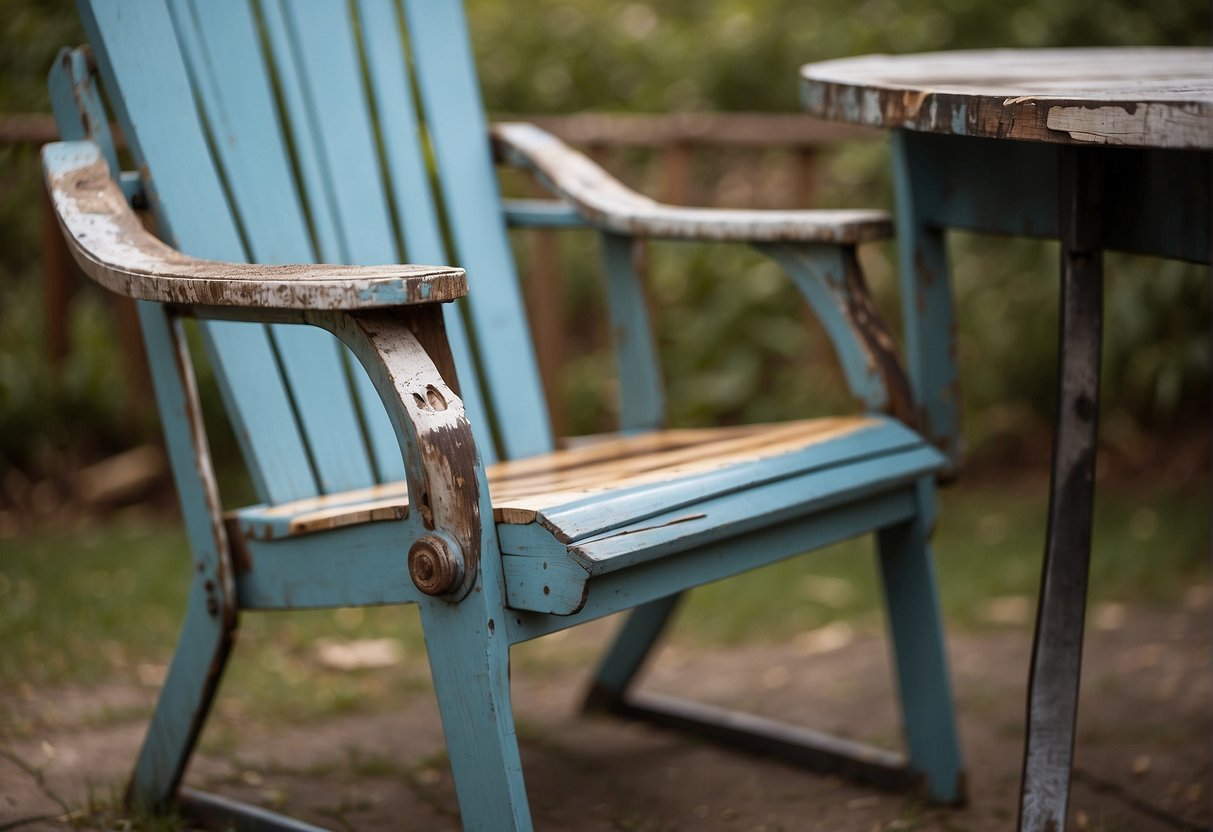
{"x":920,"y":660}
{"x":206,"y":640}
{"x":470,"y":664}
{"x":631,"y":647}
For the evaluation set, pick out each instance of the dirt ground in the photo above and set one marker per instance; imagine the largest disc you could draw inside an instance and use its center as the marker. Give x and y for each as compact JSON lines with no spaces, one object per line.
{"x":1143,"y":758}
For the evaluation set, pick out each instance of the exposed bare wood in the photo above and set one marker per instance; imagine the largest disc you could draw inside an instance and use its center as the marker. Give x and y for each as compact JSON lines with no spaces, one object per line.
{"x":325,"y":504}
{"x":108,"y":241}
{"x":860,"y":311}
{"x":610,"y":205}
{"x":441,"y":462}
{"x":707,"y":449}
{"x":521,"y":489}
{"x":1148,"y":97}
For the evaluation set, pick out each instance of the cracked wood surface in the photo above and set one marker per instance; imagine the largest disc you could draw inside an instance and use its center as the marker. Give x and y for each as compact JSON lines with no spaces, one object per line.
{"x":610,"y":205}
{"x":111,"y":245}
{"x":1138,"y":97}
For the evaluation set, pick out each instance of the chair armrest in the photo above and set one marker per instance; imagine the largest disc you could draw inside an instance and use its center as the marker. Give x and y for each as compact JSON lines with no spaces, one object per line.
{"x":611,"y":206}
{"x":111,"y":245}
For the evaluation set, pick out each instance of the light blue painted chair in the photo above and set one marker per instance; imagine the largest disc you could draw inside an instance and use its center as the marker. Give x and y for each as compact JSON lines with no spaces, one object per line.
{"x":403,"y":457}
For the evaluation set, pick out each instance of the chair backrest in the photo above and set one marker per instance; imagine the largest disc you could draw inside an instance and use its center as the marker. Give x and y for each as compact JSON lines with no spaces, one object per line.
{"x":280,"y":131}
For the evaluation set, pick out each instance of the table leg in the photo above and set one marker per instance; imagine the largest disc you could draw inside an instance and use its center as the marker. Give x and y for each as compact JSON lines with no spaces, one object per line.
{"x":1057,"y":648}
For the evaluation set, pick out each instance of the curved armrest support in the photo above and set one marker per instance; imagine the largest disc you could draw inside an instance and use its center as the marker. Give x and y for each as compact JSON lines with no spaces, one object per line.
{"x":112,"y":247}
{"x":831,"y":280}
{"x":611,"y":206}
{"x":442,"y":466}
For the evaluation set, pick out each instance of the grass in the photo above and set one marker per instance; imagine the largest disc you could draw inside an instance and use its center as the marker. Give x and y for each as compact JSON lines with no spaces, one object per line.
{"x":85,"y":605}
{"x":1150,"y":544}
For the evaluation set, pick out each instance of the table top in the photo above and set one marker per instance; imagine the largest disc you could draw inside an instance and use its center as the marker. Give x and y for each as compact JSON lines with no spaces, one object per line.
{"x":1133,"y":96}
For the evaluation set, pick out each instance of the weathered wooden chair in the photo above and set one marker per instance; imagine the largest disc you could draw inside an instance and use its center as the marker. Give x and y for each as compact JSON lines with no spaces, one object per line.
{"x":415,"y":464}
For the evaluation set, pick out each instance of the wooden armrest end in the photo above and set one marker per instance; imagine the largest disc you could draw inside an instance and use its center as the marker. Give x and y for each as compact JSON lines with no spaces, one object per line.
{"x":111,"y":245}
{"x":611,"y":206}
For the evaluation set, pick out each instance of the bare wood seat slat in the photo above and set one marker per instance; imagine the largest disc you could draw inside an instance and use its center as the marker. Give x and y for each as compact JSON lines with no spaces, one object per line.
{"x":521,"y":489}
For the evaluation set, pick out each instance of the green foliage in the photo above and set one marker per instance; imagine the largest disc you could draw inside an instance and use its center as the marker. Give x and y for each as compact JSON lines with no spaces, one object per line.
{"x":52,"y":413}
{"x":735,"y":341}
{"x":562,"y":56}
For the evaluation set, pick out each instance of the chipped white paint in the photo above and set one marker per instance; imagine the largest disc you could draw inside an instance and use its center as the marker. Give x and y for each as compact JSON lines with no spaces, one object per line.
{"x":1151,"y":125}
{"x":608,"y":204}
{"x":1141,"y":97}
{"x":440,"y":458}
{"x":112,"y":247}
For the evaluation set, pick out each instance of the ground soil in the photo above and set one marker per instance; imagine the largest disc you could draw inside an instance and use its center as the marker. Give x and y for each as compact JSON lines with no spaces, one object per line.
{"x":1142,"y":761}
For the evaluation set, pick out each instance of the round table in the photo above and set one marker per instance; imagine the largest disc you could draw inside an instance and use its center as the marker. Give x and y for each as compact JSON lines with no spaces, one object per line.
{"x":1098,"y":148}
{"x":1139,"y":97}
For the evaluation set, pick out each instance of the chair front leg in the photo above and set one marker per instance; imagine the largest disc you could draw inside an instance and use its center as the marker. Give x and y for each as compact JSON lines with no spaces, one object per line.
{"x":211,"y":616}
{"x":457,"y":564}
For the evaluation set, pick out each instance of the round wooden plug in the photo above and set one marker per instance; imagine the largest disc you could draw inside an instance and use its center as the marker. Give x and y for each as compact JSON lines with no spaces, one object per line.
{"x":435,"y":565}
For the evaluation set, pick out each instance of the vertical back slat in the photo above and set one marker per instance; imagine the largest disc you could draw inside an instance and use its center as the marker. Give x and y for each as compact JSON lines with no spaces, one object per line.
{"x":319,"y":147}
{"x":450,"y":97}
{"x":223,"y":52}
{"x":317,"y":52}
{"x":383,"y":44}
{"x":142,"y":67}
{"x":409,"y":181}
{"x":315,"y":181}
{"x":319,"y":187}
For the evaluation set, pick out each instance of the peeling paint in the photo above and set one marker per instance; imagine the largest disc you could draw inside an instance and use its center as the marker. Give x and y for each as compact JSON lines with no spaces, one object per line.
{"x":609,"y":205}
{"x":111,"y":245}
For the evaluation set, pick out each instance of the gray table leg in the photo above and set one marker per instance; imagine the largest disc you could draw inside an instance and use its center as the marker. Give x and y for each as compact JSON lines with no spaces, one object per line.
{"x":1057,"y":648}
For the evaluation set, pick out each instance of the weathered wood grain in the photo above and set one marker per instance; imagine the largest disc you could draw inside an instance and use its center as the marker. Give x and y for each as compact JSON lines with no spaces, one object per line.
{"x":608,"y":204}
{"x":522,"y":490}
{"x":1141,"y":97}
{"x":113,"y":248}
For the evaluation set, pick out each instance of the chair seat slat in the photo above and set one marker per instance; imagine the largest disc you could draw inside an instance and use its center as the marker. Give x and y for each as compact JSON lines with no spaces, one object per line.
{"x":598,"y":489}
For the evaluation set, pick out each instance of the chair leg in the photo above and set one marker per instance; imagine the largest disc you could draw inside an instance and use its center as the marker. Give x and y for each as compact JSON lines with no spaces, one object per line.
{"x":193,"y":677}
{"x":632,"y":646}
{"x":799,"y":746}
{"x":470,"y":664}
{"x":920,"y":660}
